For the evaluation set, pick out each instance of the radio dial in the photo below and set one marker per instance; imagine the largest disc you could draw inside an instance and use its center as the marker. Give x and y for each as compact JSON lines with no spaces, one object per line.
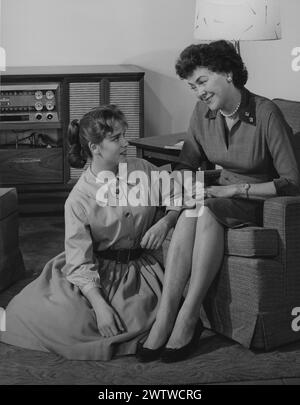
{"x":49,"y":105}
{"x":38,"y":116}
{"x":49,"y":116}
{"x":38,"y":94}
{"x":38,"y":106}
{"x":49,"y":95}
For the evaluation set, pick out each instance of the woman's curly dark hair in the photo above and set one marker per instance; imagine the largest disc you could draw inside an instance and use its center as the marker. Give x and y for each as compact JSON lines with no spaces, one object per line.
{"x":218,"y":56}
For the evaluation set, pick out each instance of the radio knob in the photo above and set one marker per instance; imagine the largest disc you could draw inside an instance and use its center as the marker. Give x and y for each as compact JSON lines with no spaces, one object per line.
{"x":49,"y":94}
{"x":38,"y":94}
{"x":38,"y":106}
{"x":38,"y":116}
{"x":49,"y":116}
{"x":49,"y":105}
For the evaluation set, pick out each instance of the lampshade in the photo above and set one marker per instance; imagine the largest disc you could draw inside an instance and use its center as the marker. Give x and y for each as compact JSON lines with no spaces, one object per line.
{"x":2,"y":50}
{"x":2,"y":59}
{"x":237,"y":20}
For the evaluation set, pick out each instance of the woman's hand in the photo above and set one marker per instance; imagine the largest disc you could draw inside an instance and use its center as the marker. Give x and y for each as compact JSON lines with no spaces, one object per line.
{"x":155,"y":235}
{"x":108,"y":321}
{"x":221,"y":191}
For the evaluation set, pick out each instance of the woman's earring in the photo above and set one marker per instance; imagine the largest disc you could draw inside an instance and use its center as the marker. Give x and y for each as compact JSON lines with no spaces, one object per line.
{"x":229,"y":79}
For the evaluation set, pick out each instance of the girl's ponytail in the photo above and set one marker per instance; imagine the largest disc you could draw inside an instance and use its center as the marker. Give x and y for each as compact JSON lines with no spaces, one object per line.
{"x":76,"y":155}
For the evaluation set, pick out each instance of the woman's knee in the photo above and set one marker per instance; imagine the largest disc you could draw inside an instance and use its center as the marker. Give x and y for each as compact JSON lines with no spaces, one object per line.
{"x":206,"y":218}
{"x":184,"y":231}
{"x":185,"y":222}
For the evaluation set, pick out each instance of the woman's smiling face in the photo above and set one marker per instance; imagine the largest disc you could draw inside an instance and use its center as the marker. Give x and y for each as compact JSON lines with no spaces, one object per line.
{"x":210,"y":87}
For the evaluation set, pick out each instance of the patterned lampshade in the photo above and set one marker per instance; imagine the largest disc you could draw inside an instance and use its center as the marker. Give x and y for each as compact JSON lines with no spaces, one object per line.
{"x":237,"y":20}
{"x":2,"y":59}
{"x":2,"y":50}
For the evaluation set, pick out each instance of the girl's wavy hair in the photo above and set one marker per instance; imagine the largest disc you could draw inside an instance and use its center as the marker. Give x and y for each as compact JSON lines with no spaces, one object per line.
{"x":218,"y":56}
{"x":93,"y":127}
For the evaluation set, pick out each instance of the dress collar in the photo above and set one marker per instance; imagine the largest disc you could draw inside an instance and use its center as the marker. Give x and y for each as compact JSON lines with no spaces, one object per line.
{"x":121,"y":176}
{"x":246,"y":111}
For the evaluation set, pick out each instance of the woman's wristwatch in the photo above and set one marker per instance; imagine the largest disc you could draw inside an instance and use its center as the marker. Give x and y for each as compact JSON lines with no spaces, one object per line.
{"x":247,"y":188}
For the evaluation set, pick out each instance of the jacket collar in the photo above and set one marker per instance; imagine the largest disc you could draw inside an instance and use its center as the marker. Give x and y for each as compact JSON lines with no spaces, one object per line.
{"x":247,"y":111}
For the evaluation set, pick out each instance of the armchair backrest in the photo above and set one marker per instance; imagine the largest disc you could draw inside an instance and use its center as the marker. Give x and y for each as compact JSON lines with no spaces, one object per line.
{"x":291,"y":112}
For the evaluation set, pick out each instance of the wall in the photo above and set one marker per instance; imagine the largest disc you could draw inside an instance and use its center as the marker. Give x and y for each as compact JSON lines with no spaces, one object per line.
{"x":147,"y":33}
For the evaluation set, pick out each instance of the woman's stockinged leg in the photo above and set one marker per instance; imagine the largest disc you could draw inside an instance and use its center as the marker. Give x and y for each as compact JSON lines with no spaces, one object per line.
{"x":177,"y":272}
{"x":207,"y":258}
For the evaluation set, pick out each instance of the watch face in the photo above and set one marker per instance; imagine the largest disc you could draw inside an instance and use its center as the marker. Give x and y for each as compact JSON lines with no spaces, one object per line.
{"x":38,"y":94}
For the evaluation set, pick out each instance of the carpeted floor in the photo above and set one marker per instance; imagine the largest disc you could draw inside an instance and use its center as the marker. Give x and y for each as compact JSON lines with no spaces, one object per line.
{"x":217,"y":360}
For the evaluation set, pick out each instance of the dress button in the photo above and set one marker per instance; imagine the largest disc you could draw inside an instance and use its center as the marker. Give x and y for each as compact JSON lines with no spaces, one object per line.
{"x":127,"y":214}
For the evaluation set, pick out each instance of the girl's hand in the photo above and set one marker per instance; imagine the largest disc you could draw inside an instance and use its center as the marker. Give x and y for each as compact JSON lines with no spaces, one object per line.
{"x":108,"y":321}
{"x":155,"y":235}
{"x":221,"y":191}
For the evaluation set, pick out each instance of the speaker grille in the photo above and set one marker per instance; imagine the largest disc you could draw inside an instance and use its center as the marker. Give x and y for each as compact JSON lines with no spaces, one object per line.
{"x":127,"y":96}
{"x":83,"y":97}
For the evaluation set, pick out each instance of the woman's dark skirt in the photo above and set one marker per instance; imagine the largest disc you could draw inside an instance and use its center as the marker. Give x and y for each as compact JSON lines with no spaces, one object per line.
{"x":236,"y":212}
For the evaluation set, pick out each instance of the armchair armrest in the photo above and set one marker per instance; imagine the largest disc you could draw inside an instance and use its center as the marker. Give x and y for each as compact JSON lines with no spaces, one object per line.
{"x":279,"y":210}
{"x":283,"y":214}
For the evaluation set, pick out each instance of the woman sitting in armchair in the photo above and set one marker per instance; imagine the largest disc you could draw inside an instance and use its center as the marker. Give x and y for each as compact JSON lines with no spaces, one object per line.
{"x":248,"y":137}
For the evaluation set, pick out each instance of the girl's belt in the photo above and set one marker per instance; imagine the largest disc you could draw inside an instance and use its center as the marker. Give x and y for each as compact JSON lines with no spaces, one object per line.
{"x":120,"y":255}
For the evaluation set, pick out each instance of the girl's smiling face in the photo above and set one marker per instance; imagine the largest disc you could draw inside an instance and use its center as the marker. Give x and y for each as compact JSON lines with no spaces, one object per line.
{"x":113,"y":148}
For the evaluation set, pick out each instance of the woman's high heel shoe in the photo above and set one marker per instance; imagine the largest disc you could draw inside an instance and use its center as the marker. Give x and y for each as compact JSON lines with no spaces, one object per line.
{"x":146,"y":355}
{"x":172,"y":355}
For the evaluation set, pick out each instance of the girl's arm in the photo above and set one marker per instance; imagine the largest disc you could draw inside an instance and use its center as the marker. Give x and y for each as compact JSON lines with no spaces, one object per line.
{"x":108,"y":321}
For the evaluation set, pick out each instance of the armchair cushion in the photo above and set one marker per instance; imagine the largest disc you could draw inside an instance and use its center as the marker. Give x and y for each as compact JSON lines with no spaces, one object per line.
{"x":291,"y":112}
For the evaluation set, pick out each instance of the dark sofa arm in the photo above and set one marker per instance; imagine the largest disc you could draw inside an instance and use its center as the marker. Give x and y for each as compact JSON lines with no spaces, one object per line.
{"x":283,"y":214}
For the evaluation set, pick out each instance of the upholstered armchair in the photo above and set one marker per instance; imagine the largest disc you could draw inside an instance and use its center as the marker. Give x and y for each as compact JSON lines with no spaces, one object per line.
{"x":252,"y":298}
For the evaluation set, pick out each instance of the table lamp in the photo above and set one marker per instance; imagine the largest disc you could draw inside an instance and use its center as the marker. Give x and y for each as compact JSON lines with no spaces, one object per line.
{"x":237,"y":20}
